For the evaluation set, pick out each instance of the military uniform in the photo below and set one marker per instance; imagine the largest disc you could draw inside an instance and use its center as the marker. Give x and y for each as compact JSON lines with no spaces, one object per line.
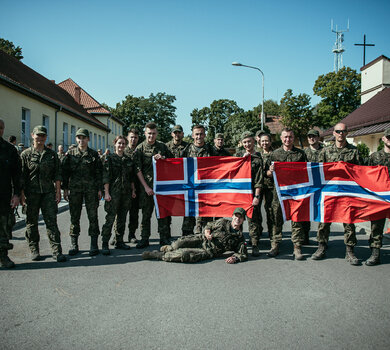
{"x":178,"y":150}
{"x":189,"y":222}
{"x":348,"y":154}
{"x":195,"y":248}
{"x":119,"y":173}
{"x":280,"y":155}
{"x":220,"y":152}
{"x":10,"y":185}
{"x":144,"y":164}
{"x":61,"y":156}
{"x":39,"y":172}
{"x":267,"y":192}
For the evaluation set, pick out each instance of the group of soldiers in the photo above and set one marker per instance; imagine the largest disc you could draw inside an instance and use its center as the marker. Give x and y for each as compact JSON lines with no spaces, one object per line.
{"x":124,"y":179}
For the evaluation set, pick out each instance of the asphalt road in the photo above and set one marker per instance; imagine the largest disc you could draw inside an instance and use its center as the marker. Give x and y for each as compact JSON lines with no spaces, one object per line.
{"x":123,"y":302}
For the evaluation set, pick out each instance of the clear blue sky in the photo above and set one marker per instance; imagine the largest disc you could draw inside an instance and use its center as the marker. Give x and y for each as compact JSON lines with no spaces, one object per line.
{"x":185,"y":48}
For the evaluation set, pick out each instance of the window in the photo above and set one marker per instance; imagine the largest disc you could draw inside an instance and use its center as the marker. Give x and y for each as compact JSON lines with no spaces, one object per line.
{"x":90,"y":140}
{"x":104,"y":142}
{"x":115,"y":130}
{"x":73,"y":134}
{"x":25,"y":135}
{"x":45,"y":123}
{"x":100,"y":142}
{"x":95,"y":140}
{"x":65,"y":136}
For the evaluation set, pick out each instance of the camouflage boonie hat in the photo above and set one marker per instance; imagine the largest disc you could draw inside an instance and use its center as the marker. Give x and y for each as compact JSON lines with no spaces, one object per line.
{"x":219,"y":135}
{"x":177,"y":128}
{"x":313,"y":132}
{"x":259,"y":133}
{"x":82,"y":132}
{"x":246,"y":134}
{"x":40,"y":130}
{"x":240,"y":211}
{"x":387,"y":132}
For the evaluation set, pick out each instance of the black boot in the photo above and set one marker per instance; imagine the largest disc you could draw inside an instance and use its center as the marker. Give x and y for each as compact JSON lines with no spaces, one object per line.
{"x":121,"y":245}
{"x":105,"y":248}
{"x":5,"y":261}
{"x":94,"y":249}
{"x":374,"y":259}
{"x":143,"y":243}
{"x":350,"y":256}
{"x":74,"y":248}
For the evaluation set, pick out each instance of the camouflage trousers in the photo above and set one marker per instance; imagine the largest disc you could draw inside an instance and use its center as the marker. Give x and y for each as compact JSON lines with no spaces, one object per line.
{"x":191,"y":222}
{"x":147,"y":207}
{"x":91,"y":204}
{"x":349,"y":233}
{"x":46,"y":202}
{"x":188,"y":249}
{"x":116,"y":210}
{"x":133,"y":210}
{"x":376,"y":236}
{"x":255,"y":225}
{"x":267,"y":196}
{"x":297,"y":234}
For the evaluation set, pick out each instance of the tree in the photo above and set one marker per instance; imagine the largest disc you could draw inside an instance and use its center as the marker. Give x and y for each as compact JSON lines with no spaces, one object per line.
{"x":137,"y":111}
{"x":340,"y":93}
{"x":271,"y":107}
{"x":10,"y":49}
{"x":297,"y":113}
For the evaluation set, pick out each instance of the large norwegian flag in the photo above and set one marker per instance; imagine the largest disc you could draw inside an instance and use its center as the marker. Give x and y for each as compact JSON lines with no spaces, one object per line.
{"x":203,"y":186}
{"x":332,"y":192}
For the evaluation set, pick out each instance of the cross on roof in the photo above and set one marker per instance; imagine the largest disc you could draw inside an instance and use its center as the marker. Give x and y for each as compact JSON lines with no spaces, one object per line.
{"x":364,"y":48}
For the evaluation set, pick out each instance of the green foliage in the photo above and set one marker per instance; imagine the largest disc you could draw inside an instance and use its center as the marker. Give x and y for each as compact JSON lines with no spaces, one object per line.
{"x":271,"y":107}
{"x":340,"y":93}
{"x":364,"y":152}
{"x":137,"y":111}
{"x":381,"y":145}
{"x":297,"y":113}
{"x":10,"y":49}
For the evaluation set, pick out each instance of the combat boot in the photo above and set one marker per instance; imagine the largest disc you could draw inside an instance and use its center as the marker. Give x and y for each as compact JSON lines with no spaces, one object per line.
{"x":59,"y":257}
{"x":164,"y":241}
{"x":121,"y":245}
{"x":132,"y":238}
{"x":350,"y":256}
{"x":297,"y":252}
{"x":320,"y":252}
{"x":5,"y":261}
{"x":105,"y":248}
{"x":255,"y":251}
{"x":35,"y":256}
{"x":153,"y":255}
{"x":143,"y":243}
{"x":74,"y":248}
{"x":94,"y":249}
{"x":274,"y":250}
{"x":374,"y":259}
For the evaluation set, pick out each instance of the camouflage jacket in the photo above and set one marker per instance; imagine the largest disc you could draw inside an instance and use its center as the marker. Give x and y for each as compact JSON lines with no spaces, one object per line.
{"x":225,"y":238}
{"x":40,"y":170}
{"x":144,"y":158}
{"x":256,"y":169}
{"x":130,"y":152}
{"x":280,"y":155}
{"x":348,"y":154}
{"x":10,"y":174}
{"x":82,"y":171}
{"x":313,"y":155}
{"x":194,"y":151}
{"x":177,"y":150}
{"x":221,"y":152}
{"x":119,"y":172}
{"x":268,"y":181}
{"x":380,"y":158}
{"x":60,"y":156}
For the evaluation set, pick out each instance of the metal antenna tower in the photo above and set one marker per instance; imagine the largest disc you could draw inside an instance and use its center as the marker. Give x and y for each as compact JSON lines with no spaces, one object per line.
{"x":338,"y":48}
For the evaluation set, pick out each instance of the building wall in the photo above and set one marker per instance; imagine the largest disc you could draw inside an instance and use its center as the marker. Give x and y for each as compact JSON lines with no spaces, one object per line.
{"x":12,"y":104}
{"x":116,"y":129}
{"x":375,"y":77}
{"x":372,"y":141}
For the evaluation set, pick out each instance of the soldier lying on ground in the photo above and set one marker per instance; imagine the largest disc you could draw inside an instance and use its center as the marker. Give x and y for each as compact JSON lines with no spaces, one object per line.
{"x":218,"y":237}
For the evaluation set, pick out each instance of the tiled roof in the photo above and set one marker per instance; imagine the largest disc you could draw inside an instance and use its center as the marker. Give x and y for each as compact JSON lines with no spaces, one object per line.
{"x":18,"y":76}
{"x":375,"y":111}
{"x":372,"y":129}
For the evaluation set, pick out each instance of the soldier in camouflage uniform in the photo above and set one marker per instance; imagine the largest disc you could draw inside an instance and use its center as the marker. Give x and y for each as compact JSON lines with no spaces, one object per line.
{"x":218,"y":149}
{"x":41,"y":182}
{"x":82,"y":176}
{"x":312,"y":155}
{"x":218,"y":237}
{"x":268,"y":185}
{"x":286,"y":153}
{"x":341,"y":150}
{"x":146,"y":151}
{"x":196,"y":149}
{"x":61,"y":153}
{"x":254,"y":223}
{"x":118,"y":180}
{"x":258,"y":135}
{"x":9,"y":193}
{"x":381,"y":157}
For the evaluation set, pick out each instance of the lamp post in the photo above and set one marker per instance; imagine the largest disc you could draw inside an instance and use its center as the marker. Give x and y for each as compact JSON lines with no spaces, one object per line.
{"x":262,"y":74}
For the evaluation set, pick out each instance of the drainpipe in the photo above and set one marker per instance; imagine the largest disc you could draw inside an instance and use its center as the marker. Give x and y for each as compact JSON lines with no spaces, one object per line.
{"x":56,"y":123}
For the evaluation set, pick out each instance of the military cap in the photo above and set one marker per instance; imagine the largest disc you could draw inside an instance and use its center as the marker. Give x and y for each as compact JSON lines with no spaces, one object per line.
{"x":313,"y":132}
{"x":177,"y":128}
{"x":240,"y":211}
{"x":219,"y":135}
{"x":39,"y":130}
{"x":246,"y":134}
{"x":259,"y":133}
{"x":82,"y":132}
{"x":387,"y":132}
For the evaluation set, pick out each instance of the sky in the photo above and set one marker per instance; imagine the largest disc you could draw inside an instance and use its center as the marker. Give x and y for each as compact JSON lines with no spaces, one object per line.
{"x":185,"y":48}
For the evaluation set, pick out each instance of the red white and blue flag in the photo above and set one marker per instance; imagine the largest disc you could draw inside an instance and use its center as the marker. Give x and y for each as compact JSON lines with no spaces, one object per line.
{"x":203,"y":186}
{"x":332,"y":192}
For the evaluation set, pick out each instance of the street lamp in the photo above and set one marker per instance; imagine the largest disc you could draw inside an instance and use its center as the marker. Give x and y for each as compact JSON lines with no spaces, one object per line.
{"x":262,"y":105}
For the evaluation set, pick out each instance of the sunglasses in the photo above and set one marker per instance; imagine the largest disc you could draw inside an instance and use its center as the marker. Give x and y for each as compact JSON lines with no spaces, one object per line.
{"x":340,"y":131}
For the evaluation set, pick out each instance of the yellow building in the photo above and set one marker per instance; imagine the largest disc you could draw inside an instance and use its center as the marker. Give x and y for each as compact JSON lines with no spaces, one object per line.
{"x":28,"y":99}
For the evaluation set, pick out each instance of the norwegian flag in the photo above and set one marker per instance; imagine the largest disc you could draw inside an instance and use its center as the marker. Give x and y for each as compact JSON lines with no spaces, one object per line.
{"x":332,"y":192}
{"x":203,"y":186}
